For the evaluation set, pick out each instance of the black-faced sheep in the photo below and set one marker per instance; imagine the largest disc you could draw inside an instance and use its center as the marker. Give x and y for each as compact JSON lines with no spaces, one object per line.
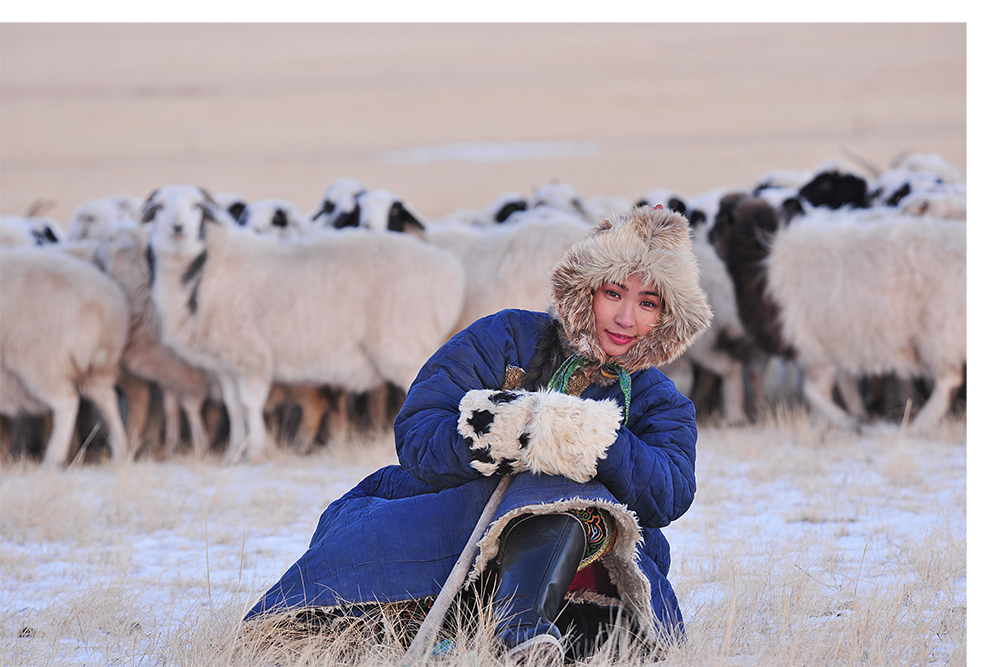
{"x":351,"y":309}
{"x":869,"y":296}
{"x":62,"y":331}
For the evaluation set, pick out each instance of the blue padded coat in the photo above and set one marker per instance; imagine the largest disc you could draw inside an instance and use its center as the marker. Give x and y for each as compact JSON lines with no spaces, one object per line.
{"x":397,"y":534}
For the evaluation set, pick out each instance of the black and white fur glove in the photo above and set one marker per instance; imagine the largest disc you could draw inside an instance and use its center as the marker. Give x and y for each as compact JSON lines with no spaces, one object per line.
{"x":544,"y":432}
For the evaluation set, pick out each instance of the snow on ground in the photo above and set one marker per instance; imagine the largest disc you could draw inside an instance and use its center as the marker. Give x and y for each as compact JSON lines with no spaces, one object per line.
{"x":151,"y":546}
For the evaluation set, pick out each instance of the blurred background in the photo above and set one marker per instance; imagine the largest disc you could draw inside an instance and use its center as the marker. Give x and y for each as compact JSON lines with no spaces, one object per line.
{"x":448,"y":116}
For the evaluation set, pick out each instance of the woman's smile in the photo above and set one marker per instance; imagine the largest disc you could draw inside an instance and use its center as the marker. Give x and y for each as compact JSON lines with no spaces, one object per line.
{"x":624,"y":312}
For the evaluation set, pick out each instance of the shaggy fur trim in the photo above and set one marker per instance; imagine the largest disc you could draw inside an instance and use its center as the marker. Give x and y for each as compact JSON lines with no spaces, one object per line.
{"x":543,"y":432}
{"x":653,"y":243}
{"x":568,"y":435}
{"x":621,"y":562}
{"x":493,"y":424}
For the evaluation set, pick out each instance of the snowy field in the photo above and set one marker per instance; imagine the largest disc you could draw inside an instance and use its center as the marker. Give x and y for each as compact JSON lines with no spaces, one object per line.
{"x":803,"y":546}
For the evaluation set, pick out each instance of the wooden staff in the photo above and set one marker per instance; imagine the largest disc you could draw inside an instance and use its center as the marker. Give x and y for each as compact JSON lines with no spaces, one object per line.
{"x":435,"y":617}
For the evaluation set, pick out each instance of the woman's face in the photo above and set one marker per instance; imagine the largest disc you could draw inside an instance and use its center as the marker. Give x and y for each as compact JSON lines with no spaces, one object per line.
{"x":624,"y":313}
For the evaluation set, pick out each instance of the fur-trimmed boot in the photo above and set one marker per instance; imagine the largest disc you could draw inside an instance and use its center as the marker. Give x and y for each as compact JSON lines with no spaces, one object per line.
{"x":538,"y":561}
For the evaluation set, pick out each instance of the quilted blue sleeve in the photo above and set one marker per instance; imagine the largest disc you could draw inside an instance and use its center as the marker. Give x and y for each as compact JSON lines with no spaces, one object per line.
{"x":427,"y":441}
{"x":650,"y":466}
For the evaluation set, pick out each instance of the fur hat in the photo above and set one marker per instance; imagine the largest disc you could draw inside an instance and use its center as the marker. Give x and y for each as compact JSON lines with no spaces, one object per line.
{"x":654,"y":243}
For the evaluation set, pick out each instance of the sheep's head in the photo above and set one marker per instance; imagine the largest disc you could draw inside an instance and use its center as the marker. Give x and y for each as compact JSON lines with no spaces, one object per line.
{"x":562,"y":196}
{"x":276,"y":217}
{"x":381,"y":210}
{"x":501,"y":209}
{"x":339,"y":206}
{"x":93,"y":219}
{"x":179,"y":215}
{"x":666,"y":198}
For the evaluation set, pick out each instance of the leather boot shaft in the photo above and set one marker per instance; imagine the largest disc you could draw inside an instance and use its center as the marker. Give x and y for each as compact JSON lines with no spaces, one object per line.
{"x":538,"y":561}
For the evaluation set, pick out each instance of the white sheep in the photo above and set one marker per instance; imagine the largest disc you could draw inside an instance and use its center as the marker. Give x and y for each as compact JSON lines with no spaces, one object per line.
{"x":850,"y":293}
{"x":232,"y":203}
{"x":276,"y":217}
{"x":122,"y":254}
{"x":351,"y":309}
{"x":507,"y":265}
{"x":567,"y":198}
{"x":931,"y":163}
{"x":94,"y":218}
{"x":382,"y":210}
{"x":497,"y":211}
{"x":28,"y":230}
{"x":916,"y":192}
{"x":338,"y":207}
{"x":63,"y":328}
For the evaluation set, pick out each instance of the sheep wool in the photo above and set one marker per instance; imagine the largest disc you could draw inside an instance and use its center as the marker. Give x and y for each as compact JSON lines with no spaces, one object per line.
{"x":893,"y":301}
{"x":324,"y":309}
{"x":62,"y":331}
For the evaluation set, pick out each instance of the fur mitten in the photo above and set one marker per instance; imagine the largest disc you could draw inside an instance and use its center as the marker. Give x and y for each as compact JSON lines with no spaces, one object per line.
{"x":543,"y":432}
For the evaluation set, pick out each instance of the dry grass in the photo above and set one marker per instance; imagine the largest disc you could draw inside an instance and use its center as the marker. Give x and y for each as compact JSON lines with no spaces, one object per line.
{"x":805,"y":546}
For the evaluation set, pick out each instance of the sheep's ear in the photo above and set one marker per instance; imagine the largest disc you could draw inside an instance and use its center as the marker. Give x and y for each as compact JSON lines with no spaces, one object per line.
{"x":510,"y":208}
{"x":279,"y":219}
{"x":238,"y":211}
{"x":326,"y":209}
{"x":677,"y":205}
{"x":401,"y":220}
{"x":207,"y":195}
{"x":206,"y":212}
{"x":352,"y":219}
{"x":44,"y":236}
{"x":641,"y":203}
{"x":149,"y":212}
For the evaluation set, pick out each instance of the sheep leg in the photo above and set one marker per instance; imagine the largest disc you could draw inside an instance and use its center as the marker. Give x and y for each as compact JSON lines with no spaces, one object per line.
{"x":172,"y":423}
{"x":337,"y":423}
{"x":945,"y":385}
{"x":818,"y":390}
{"x":314,"y":406}
{"x":731,"y":372}
{"x":252,"y":394}
{"x":851,"y":395}
{"x":102,"y":392}
{"x":191,"y":405}
{"x":137,"y":395}
{"x":64,"y":411}
{"x":237,"y":420}
{"x":377,"y":400}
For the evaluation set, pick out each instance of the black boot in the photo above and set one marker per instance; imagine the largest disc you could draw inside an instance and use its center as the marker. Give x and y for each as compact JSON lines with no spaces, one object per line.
{"x":538,"y":561}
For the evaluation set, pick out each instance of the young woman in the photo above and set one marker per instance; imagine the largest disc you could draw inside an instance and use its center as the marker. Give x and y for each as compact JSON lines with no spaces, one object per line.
{"x":600,"y":441}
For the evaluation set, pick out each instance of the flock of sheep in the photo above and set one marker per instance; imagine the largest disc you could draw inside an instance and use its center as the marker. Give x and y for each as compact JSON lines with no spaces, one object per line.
{"x":230,"y":311}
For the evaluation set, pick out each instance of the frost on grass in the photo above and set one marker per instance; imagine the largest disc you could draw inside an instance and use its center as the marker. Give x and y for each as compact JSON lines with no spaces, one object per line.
{"x":802,"y":547}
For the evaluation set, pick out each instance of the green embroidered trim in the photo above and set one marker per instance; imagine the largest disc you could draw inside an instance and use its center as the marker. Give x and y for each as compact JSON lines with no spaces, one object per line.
{"x":561,"y":378}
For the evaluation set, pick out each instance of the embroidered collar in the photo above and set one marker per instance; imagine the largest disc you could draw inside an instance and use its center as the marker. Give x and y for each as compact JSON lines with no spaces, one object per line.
{"x":561,"y":378}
